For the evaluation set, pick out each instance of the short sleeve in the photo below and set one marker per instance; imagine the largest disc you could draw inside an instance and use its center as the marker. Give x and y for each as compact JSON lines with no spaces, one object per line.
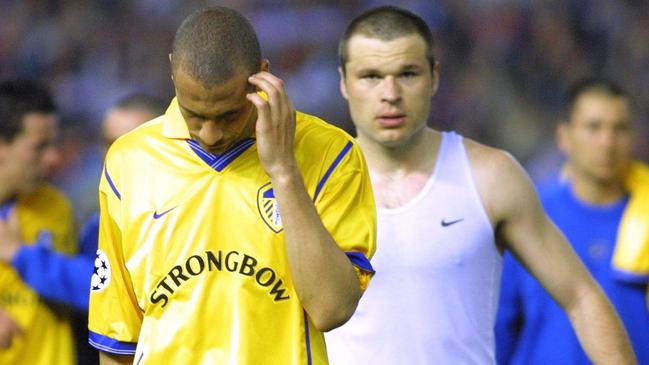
{"x":114,"y":315}
{"x":345,"y":202}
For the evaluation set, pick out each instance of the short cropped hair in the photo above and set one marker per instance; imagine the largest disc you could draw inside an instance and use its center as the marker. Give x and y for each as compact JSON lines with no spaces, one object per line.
{"x":598,"y":85}
{"x":386,"y":23}
{"x":141,"y":101}
{"x":214,"y":44}
{"x":19,"y":97}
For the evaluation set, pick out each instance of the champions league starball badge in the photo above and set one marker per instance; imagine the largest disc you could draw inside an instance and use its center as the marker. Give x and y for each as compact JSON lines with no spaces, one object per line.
{"x":101,"y":274}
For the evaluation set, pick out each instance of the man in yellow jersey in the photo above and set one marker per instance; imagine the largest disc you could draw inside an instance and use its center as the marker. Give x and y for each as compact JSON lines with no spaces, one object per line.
{"x":232,"y":229}
{"x":63,"y":278}
{"x":33,"y":330}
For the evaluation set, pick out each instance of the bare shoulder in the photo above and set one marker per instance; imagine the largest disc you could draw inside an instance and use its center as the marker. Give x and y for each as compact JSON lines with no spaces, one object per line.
{"x":492,"y":168}
{"x":487,"y":161}
{"x":500,"y":179}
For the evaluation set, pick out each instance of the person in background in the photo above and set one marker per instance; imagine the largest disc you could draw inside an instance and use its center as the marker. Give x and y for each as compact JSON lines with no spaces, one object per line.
{"x":34,"y":328}
{"x":127,"y":113}
{"x":63,"y":278}
{"x":601,"y":203}
{"x":447,"y":209}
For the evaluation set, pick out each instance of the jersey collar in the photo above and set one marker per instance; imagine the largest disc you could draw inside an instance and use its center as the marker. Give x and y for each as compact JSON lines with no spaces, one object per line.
{"x":219,"y":162}
{"x":174,"y":123}
{"x":176,"y":128}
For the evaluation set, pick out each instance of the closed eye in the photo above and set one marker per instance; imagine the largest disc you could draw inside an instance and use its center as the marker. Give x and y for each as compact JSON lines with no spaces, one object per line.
{"x":408,"y":74}
{"x":229,"y":116}
{"x":370,"y":76}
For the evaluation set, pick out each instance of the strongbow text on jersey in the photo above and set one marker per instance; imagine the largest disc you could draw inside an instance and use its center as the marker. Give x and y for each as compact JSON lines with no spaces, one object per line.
{"x":234,"y":262}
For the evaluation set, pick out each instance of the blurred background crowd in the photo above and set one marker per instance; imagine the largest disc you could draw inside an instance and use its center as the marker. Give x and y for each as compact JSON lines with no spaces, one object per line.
{"x":505,"y":64}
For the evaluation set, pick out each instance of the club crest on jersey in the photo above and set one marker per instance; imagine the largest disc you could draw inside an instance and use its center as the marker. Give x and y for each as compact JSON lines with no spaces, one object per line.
{"x":101,"y":274}
{"x":268,"y":208}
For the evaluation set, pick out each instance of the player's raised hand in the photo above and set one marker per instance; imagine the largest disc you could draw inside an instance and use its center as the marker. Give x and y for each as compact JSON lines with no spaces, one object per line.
{"x":275,"y":128}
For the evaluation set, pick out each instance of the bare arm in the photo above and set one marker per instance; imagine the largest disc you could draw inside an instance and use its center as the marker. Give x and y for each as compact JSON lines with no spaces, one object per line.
{"x":324,"y":278}
{"x":526,"y":230}
{"x":110,"y":359}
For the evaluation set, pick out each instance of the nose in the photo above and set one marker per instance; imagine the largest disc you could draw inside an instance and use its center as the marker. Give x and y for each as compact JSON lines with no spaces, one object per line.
{"x":607,"y":138}
{"x":391,"y":90}
{"x":210,"y":132}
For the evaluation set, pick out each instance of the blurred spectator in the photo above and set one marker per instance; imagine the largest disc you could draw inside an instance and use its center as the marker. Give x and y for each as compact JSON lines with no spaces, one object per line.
{"x":66,"y":279}
{"x":34,"y":217}
{"x":601,"y":204}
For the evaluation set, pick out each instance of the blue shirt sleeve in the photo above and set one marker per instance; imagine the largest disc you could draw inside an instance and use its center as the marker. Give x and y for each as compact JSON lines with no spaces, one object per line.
{"x":57,"y":277}
{"x":510,"y":315}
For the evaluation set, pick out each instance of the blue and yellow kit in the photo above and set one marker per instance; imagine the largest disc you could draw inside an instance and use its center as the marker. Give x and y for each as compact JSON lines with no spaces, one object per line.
{"x":45,"y":217}
{"x":192,"y":266}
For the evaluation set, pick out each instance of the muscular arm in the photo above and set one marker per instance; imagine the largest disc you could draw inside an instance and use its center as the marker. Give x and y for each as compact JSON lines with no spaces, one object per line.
{"x":110,"y":359}
{"x":324,"y":278}
{"x":535,"y":241}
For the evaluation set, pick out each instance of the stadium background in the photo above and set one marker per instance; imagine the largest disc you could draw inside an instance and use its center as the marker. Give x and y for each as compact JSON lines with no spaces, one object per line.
{"x":504,"y":64}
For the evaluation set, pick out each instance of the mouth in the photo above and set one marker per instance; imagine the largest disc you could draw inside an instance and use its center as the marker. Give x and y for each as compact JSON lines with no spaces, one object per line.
{"x":391,"y":120}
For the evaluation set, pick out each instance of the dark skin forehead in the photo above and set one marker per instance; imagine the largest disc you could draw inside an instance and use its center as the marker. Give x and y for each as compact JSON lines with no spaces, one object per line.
{"x":198,"y":99}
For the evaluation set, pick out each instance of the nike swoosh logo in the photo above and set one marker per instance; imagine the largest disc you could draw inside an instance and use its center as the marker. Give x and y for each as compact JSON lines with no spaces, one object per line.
{"x":446,"y":224}
{"x":156,"y":215}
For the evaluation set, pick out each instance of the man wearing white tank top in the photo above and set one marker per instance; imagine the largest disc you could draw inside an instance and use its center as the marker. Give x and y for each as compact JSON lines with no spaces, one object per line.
{"x":447,"y":209}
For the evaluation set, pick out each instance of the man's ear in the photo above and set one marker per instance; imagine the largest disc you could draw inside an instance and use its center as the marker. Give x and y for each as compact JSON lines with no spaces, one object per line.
{"x":435,"y":76}
{"x":562,"y":138}
{"x":171,"y":62}
{"x":561,"y":135}
{"x":264,"y":65}
{"x":4,"y":147}
{"x":343,"y":87}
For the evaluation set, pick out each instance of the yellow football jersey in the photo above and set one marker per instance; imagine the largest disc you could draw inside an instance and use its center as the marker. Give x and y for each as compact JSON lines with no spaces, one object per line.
{"x":191,"y":266}
{"x":44,"y":216}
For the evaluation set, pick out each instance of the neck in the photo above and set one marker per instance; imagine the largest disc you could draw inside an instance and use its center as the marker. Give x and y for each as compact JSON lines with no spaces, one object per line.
{"x":416,"y":155}
{"x":594,"y":191}
{"x":399,"y":173}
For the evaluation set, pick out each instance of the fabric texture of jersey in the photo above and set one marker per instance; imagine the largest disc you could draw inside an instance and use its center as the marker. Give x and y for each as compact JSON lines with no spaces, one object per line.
{"x":45,"y":217}
{"x":433,"y":298}
{"x":192,"y":267}
{"x":531,"y":328}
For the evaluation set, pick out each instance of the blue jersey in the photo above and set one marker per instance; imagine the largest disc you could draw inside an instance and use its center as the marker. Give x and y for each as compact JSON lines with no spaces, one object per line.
{"x":531,"y":328}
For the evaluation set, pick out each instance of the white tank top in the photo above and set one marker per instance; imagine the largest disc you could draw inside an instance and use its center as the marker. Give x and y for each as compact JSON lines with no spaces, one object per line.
{"x":434,"y":296}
